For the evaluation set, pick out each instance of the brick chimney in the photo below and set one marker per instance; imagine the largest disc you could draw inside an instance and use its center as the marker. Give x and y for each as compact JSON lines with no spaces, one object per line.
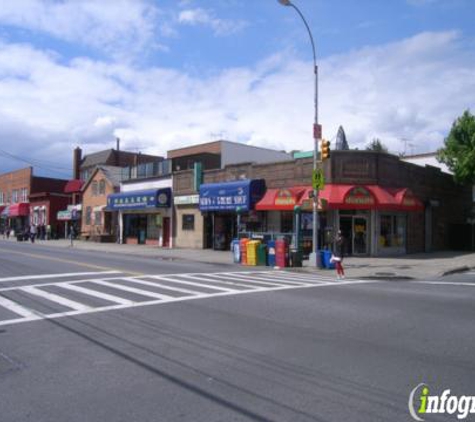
{"x":77,"y":157}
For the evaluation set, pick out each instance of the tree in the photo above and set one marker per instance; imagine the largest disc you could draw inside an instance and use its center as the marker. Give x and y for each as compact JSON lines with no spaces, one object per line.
{"x":459,"y":149}
{"x":376,"y":145}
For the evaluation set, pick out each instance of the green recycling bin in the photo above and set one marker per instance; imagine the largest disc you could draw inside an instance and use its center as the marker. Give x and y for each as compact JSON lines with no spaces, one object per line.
{"x":262,"y":254}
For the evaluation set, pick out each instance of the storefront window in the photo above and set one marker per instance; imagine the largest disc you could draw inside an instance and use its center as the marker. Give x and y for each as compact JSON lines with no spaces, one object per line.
{"x":188,"y":222}
{"x":393,"y":231}
{"x":287,"y":222}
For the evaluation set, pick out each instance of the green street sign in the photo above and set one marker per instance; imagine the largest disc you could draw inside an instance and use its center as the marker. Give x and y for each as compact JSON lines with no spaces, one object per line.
{"x":318,"y":180}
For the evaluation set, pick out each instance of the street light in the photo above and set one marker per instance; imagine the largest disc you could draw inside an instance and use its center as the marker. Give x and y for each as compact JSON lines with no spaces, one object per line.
{"x":317,"y":136}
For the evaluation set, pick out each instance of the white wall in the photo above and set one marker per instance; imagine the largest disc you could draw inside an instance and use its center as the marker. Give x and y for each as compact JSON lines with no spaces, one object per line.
{"x":427,"y":160}
{"x":144,"y":185}
{"x":234,"y":153}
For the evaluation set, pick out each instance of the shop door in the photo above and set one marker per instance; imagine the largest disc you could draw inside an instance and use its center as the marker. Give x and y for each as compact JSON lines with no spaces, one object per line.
{"x":166,"y":232}
{"x":360,"y":235}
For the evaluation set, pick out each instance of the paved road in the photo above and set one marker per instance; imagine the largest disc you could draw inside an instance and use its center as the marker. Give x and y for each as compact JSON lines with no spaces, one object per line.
{"x":94,"y":337}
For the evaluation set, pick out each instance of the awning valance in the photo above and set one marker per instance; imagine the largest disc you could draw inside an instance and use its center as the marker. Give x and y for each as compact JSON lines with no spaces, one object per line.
{"x":231,"y":196}
{"x":19,"y":210}
{"x":283,"y":199}
{"x":348,"y":197}
{"x":137,"y":200}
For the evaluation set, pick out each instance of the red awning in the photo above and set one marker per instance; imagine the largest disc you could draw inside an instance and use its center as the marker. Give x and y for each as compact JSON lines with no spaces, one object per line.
{"x":348,"y":197}
{"x":283,"y":199}
{"x":73,"y":186}
{"x":19,"y":210}
{"x":406,"y":200}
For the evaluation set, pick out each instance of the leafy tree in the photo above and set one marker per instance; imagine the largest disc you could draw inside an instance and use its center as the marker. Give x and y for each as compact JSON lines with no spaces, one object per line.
{"x":459,"y":149}
{"x":376,"y":145}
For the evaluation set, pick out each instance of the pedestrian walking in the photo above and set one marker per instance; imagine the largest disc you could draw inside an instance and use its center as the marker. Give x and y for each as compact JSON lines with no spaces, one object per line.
{"x":33,"y":231}
{"x":338,"y":254}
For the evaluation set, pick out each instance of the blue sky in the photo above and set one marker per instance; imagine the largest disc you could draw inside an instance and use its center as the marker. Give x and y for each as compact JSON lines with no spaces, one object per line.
{"x":165,"y":74}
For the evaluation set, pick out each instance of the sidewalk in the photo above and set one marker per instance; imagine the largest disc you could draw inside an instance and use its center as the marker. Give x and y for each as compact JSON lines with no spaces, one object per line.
{"x":414,"y":266}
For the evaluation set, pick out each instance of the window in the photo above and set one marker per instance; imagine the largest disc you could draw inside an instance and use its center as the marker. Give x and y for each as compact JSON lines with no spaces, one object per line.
{"x":97,"y":218}
{"x":102,"y":187}
{"x":94,"y":188}
{"x":392,"y":231}
{"x":88,"y":216}
{"x":2,"y":199}
{"x":188,"y":222}
{"x":24,"y":195}
{"x":14,"y":196}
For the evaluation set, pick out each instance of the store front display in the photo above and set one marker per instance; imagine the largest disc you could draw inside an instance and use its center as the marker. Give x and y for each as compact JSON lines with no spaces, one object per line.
{"x":222,"y":202}
{"x":144,"y":216}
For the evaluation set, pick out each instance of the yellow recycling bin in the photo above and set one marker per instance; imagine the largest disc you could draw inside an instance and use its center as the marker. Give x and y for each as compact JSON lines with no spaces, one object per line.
{"x":252,"y":252}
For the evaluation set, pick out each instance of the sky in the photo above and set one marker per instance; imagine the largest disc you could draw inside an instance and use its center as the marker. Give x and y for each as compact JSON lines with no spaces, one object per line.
{"x":164,"y":74}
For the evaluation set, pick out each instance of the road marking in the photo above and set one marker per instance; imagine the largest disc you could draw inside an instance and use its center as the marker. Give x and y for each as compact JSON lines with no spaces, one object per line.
{"x":55,"y":298}
{"x":17,"y":309}
{"x":192,"y":283}
{"x":132,"y":289}
{"x":62,"y":275}
{"x":162,"y":286}
{"x":204,"y":280}
{"x":95,"y":293}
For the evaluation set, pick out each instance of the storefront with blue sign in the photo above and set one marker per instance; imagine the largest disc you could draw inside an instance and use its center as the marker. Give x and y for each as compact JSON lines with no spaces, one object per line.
{"x":144,"y":216}
{"x":220,"y":204}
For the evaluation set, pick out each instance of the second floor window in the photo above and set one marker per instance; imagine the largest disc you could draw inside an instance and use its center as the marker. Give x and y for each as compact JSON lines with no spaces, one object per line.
{"x":24,"y":195}
{"x":14,"y":196}
{"x":2,"y":199}
{"x":94,"y":188}
{"x":102,"y":187}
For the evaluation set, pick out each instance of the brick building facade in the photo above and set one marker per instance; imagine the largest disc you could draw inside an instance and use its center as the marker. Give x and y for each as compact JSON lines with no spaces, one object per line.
{"x":411,"y":229}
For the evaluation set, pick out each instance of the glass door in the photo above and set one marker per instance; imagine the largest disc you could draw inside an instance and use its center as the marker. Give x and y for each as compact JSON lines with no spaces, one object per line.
{"x":360,"y":235}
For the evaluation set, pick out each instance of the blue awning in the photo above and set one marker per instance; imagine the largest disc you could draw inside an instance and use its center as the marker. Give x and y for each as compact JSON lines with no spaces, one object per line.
{"x":228,"y":196}
{"x":138,"y":200}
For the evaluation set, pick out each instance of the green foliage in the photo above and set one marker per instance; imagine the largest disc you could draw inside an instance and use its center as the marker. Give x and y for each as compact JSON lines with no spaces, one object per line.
{"x":376,"y":145}
{"x":459,"y":149}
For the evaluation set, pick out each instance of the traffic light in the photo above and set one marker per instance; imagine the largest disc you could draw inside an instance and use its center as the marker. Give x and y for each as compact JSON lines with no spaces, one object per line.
{"x":325,"y":152}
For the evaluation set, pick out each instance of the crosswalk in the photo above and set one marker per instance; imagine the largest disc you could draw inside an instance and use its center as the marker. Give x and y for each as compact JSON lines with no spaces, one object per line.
{"x":32,"y":298}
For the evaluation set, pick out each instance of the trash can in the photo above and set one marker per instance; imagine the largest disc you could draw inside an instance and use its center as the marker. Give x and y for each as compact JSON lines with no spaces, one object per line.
{"x":252,"y":246}
{"x":326,"y":256}
{"x":295,"y":257}
{"x":281,"y":253}
{"x":261,"y":254}
{"x":271,"y":253}
{"x":243,"y":250}
{"x":236,"y":251}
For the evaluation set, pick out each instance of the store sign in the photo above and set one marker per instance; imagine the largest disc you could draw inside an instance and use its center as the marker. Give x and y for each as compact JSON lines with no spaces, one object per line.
{"x":157,"y":198}
{"x":359,"y":196}
{"x":186,"y":200}
{"x":64,"y":215}
{"x":231,"y":196}
{"x":284,"y":197}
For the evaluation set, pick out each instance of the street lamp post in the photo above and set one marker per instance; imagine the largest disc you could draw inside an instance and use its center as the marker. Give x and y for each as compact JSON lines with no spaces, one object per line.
{"x":315,"y":259}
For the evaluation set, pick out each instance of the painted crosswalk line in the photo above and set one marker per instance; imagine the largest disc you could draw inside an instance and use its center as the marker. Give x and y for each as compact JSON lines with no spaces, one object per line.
{"x":120,"y":292}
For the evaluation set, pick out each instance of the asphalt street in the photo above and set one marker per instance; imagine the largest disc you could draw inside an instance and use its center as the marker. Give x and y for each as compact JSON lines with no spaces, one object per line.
{"x":90,"y":336}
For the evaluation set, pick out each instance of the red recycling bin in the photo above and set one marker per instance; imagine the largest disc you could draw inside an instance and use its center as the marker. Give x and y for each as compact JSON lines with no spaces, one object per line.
{"x":281,"y":253}
{"x":243,"y":249}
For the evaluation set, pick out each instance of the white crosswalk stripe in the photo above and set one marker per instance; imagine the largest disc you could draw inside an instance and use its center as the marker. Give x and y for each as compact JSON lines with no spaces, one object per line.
{"x":119,"y":292}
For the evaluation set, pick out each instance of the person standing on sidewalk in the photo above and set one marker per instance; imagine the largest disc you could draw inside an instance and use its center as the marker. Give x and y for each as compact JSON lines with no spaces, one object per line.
{"x":338,"y":253}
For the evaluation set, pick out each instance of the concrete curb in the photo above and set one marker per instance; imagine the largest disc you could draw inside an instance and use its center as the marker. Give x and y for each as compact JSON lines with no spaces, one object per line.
{"x":456,"y":270}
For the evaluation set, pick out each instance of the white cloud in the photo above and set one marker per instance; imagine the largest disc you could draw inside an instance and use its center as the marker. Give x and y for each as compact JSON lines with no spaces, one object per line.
{"x":202,"y":17}
{"x":410,"y":89}
{"x":106,"y":25}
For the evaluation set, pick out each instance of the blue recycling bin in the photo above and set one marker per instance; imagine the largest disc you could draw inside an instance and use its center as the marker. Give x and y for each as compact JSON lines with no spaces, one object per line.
{"x":236,"y":251}
{"x":326,"y":256}
{"x":271,"y":253}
